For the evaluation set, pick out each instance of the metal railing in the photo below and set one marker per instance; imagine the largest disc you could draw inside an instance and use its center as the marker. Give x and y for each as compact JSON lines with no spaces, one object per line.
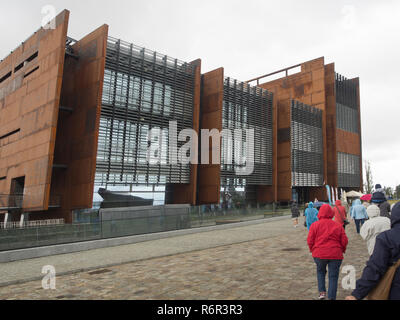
{"x":30,"y":224}
{"x":117,"y":222}
{"x":286,"y":70}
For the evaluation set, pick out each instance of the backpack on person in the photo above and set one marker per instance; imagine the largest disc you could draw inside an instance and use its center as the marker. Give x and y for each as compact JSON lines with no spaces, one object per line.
{"x":382,"y":290}
{"x":345,"y":221}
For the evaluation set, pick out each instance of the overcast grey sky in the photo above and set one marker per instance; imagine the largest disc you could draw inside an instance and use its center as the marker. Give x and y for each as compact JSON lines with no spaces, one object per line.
{"x":251,"y":38}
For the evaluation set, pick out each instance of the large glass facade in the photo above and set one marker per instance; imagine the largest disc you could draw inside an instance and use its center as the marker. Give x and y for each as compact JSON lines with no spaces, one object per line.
{"x":143,"y":94}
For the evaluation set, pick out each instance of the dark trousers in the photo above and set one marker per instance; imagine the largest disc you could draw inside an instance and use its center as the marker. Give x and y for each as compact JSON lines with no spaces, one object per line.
{"x":359,"y":224}
{"x":334,"y":268}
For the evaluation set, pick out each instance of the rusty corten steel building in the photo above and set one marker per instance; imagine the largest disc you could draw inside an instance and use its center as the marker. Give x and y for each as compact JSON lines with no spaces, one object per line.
{"x":50,"y":112}
{"x":231,"y":104}
{"x":75,"y":116}
{"x":311,"y":101}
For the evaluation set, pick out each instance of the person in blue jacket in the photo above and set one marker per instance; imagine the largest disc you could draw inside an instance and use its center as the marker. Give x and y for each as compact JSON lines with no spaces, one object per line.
{"x":386,"y":253}
{"x":359,"y":214}
{"x":311,"y":215}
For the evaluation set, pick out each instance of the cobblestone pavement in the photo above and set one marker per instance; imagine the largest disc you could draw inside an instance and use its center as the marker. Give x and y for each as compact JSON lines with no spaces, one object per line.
{"x":274,"y":268}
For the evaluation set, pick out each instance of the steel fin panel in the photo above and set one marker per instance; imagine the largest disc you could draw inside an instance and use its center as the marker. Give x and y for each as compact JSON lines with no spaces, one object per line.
{"x":348,"y":170}
{"x":307,"y":145}
{"x":247,"y":107}
{"x":143,"y":90}
{"x":347,"y":113}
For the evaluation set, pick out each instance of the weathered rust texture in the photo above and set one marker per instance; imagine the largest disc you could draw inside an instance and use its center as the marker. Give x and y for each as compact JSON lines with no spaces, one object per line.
{"x":77,"y":132}
{"x":313,"y":85}
{"x":306,"y":86}
{"x":209,"y":177}
{"x":29,"y":101}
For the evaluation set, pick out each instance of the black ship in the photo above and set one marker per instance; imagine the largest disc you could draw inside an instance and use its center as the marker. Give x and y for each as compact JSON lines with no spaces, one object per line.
{"x":120,"y":200}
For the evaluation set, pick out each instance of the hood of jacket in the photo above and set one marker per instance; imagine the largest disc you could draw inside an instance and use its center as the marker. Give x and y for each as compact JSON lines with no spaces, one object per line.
{"x":338,"y":203}
{"x":356,"y":202}
{"x":373,"y":211}
{"x":326,"y":212}
{"x":395,"y":217}
{"x":310,"y":205}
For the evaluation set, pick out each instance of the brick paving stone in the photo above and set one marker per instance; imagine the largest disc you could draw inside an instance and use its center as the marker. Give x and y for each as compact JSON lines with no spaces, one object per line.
{"x":252,"y":270}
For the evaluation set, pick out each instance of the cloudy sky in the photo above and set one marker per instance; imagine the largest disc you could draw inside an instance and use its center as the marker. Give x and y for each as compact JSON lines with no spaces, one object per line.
{"x":251,"y":38}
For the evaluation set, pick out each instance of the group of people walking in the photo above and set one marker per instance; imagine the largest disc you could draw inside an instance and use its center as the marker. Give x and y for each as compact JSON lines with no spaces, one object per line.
{"x":327,"y":241}
{"x":310,"y":213}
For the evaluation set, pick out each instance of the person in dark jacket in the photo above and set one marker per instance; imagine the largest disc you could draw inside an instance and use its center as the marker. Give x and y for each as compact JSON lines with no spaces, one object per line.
{"x":386,"y":253}
{"x":327,"y":241}
{"x":295,"y":214}
{"x":384,"y":207}
{"x":378,"y":188}
{"x":379,"y":198}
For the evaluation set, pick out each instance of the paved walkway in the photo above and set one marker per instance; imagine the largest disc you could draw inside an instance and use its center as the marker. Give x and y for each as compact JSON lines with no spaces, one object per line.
{"x":265,"y":261}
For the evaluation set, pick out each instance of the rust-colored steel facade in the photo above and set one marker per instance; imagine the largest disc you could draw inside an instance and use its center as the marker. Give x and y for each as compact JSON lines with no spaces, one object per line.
{"x":50,"y":107}
{"x":78,"y":127}
{"x":316,"y":85}
{"x":228,"y":104}
{"x":29,"y":101}
{"x":51,"y":97}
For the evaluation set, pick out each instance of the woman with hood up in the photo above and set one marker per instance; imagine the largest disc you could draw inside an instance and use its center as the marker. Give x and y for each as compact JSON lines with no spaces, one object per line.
{"x":327,"y":241}
{"x":340,"y":213}
{"x":359,"y":214}
{"x":311,"y":215}
{"x":374,"y":226}
{"x":386,"y":253}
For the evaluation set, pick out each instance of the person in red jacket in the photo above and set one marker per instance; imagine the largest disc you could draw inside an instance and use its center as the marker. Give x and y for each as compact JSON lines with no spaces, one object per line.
{"x":340,"y":213}
{"x":327,"y":241}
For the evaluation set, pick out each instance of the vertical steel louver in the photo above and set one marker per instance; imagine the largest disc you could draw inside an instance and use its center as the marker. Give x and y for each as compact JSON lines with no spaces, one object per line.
{"x":347,"y":114}
{"x":247,"y":107}
{"x":348,"y":170}
{"x":347,"y":119}
{"x":142,"y":90}
{"x":307,"y":145}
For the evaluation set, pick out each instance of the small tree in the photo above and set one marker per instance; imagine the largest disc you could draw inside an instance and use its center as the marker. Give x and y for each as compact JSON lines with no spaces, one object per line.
{"x":369,"y":184}
{"x":397,"y":192}
{"x":389,"y":192}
